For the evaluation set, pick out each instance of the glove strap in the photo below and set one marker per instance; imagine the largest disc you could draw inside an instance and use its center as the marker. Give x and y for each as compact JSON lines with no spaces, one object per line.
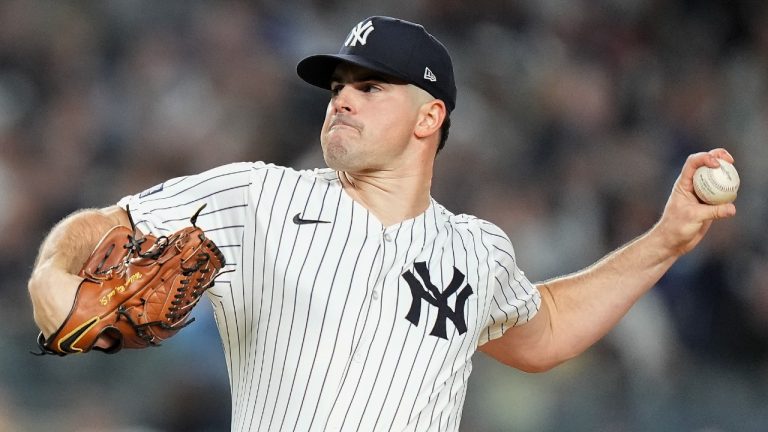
{"x":193,"y":219}
{"x":44,"y":350}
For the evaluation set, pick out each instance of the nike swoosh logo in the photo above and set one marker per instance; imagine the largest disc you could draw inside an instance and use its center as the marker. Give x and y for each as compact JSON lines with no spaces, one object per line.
{"x":66,"y":344}
{"x":297,"y":219}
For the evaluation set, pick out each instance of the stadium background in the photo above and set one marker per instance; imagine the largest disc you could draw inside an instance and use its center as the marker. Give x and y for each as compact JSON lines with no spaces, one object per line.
{"x":573,"y":119}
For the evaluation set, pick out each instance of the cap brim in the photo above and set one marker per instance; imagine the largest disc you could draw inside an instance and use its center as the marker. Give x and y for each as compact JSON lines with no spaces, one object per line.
{"x":318,"y":69}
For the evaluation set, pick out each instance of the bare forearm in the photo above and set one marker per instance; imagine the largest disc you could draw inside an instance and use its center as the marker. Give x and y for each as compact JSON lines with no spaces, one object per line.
{"x":585,"y":306}
{"x":579,"y":309}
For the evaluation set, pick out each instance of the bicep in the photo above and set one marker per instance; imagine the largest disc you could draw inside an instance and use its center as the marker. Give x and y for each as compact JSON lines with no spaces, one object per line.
{"x":527,"y":347}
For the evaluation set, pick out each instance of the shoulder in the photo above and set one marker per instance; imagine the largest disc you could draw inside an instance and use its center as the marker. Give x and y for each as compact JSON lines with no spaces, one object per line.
{"x":483,"y":231}
{"x":263,"y":170}
{"x":464,"y":221}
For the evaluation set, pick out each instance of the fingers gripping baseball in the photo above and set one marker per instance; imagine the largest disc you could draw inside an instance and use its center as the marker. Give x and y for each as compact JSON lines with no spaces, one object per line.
{"x":687,"y":217}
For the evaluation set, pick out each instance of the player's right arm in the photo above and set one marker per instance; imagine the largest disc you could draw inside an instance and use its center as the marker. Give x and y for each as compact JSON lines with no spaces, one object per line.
{"x":54,"y":281}
{"x":579,"y":309}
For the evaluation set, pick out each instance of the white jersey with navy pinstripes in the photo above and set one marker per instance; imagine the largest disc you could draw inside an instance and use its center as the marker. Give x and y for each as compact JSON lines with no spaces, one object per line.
{"x":331,"y":321}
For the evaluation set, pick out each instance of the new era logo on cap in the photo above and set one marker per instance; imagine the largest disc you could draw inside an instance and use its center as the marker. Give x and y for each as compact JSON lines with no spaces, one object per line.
{"x":428,"y":75}
{"x":394,"y":47}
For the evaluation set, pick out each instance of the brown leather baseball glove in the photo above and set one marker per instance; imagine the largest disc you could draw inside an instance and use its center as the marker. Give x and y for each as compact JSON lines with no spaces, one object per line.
{"x":136,"y":292}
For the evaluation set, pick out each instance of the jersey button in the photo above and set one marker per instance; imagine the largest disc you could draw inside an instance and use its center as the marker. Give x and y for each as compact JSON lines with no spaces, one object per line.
{"x":375,"y":295}
{"x":388,"y":237}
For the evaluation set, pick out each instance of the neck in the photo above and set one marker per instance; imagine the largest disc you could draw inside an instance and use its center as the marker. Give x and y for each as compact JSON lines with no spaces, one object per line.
{"x":391,"y":199}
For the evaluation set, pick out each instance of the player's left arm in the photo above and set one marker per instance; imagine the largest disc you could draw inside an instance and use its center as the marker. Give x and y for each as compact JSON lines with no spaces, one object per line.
{"x":579,"y":309}
{"x":53,"y":282}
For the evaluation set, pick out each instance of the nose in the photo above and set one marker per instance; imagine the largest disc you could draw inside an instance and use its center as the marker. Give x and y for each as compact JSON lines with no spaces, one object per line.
{"x":342,"y":100}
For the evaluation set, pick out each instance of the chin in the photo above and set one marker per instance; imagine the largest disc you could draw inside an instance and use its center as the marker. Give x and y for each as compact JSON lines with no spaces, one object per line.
{"x":335,"y":156}
{"x":339,"y":165}
{"x":333,"y":162}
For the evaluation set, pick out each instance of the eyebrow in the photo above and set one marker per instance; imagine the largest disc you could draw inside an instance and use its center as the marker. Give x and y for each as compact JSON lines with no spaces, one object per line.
{"x":363,"y":77}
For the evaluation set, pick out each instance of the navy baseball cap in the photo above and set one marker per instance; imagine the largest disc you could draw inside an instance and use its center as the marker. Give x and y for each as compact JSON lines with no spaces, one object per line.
{"x":394,"y":47}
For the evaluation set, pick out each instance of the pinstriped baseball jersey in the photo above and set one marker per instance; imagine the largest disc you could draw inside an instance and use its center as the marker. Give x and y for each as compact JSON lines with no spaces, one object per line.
{"x":331,"y":321}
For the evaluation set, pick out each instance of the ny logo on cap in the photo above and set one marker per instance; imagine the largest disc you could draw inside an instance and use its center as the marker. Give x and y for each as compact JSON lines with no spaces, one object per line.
{"x":359,"y":33}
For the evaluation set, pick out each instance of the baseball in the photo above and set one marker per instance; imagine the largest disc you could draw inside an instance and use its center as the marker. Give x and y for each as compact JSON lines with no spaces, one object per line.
{"x":716,"y":185}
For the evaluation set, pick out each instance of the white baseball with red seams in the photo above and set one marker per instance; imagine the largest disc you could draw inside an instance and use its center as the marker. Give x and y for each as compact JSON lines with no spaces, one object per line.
{"x":716,"y":185}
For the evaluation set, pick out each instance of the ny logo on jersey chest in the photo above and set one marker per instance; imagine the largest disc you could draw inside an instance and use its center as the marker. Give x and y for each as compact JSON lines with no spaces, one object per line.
{"x":428,"y":292}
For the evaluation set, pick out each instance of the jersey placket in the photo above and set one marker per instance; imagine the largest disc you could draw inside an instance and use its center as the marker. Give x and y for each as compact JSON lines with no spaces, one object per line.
{"x":387,"y":247}
{"x":357,"y":380}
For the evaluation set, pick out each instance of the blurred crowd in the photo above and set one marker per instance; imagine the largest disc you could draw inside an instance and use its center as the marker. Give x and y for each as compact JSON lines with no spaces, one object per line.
{"x":573,"y":120}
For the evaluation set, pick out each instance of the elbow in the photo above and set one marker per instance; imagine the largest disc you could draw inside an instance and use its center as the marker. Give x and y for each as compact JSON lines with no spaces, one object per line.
{"x":539,"y":366}
{"x":533,"y":361}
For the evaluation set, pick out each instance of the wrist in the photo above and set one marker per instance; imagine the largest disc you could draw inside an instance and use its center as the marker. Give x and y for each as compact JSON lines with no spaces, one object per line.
{"x":662,"y":242}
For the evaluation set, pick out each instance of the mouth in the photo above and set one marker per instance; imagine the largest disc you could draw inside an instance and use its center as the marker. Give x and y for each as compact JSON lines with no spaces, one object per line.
{"x":340,"y":123}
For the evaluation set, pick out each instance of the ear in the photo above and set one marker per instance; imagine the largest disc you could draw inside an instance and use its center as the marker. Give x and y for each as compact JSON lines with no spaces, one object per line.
{"x":431,"y":116}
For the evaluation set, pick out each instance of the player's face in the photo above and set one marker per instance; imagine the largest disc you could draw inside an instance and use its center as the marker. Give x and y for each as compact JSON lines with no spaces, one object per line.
{"x":369,"y":121}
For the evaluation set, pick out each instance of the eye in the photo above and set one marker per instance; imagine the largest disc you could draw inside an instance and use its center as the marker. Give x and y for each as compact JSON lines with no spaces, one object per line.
{"x":336,"y":88}
{"x":370,"y":88}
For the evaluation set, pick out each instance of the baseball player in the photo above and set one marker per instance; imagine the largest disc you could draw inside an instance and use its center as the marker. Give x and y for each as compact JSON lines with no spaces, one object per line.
{"x":354,"y":300}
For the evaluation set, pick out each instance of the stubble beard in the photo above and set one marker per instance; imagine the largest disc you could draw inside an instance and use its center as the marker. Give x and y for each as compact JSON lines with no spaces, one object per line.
{"x":337,"y":153}
{"x":334,"y":156}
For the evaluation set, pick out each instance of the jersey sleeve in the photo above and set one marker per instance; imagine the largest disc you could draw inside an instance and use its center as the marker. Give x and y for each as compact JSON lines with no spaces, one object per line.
{"x":168,"y":206}
{"x":515,"y":299}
